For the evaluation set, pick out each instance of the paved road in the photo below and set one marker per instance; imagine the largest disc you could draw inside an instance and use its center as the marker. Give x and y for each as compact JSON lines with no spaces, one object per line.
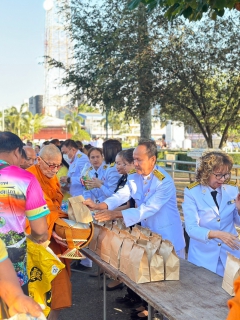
{"x":88,"y":300}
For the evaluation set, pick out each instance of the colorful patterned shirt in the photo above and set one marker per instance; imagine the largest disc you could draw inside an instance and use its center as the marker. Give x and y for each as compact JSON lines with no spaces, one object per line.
{"x":3,"y":251}
{"x":21,"y":196}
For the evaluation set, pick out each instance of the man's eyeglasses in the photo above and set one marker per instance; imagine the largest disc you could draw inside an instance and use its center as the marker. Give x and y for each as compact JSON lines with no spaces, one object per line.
{"x":51,"y":166}
{"x":219,"y":176}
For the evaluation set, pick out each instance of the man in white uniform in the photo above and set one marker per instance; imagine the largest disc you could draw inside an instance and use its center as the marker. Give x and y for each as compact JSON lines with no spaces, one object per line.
{"x":77,"y":160}
{"x":155,"y":195}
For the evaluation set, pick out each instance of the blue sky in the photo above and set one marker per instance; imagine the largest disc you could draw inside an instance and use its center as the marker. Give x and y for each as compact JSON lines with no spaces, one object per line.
{"x":21,"y":48}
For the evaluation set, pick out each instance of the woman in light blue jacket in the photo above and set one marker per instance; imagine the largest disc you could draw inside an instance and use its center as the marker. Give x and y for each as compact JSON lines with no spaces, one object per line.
{"x":211,"y":209}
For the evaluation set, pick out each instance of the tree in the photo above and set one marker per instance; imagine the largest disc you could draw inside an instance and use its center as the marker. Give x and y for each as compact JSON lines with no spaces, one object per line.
{"x":129,"y":62}
{"x":200,"y":82}
{"x":86,"y":108}
{"x":35,"y":124}
{"x":116,"y":121}
{"x":112,"y":49}
{"x":17,"y":121}
{"x":73,"y":124}
{"x":190,"y":9}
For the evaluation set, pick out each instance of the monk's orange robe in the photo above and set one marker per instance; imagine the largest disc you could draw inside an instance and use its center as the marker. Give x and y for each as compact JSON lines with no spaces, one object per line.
{"x":234,"y":303}
{"x":53,"y":196}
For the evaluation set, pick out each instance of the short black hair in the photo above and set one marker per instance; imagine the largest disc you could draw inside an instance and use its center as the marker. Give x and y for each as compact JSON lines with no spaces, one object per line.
{"x":150,"y":146}
{"x":111,"y":148}
{"x":128,"y":155}
{"x":24,"y":156}
{"x":95,"y":149}
{"x":70,"y":143}
{"x":9,"y":142}
{"x":54,"y":141}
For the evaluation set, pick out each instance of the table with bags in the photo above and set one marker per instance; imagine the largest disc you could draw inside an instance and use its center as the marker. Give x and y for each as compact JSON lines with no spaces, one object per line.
{"x":149,"y":265}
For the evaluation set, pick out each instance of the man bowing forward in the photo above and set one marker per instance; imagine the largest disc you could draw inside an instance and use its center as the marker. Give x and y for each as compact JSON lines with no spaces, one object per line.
{"x":154,"y":192}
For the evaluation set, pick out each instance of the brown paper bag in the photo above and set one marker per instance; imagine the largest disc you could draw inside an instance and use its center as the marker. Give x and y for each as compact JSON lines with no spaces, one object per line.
{"x":144,"y":237}
{"x":101,"y":236}
{"x":135,"y":232}
{"x":108,"y":224}
{"x":145,"y":231}
{"x":115,"y":229}
{"x":156,"y":240}
{"x":93,"y":243}
{"x":106,"y":246}
{"x":121,"y":225}
{"x":77,"y":211}
{"x":116,"y":245}
{"x":138,"y":267}
{"x":155,"y":260}
{"x":124,"y":254}
{"x":156,"y":266}
{"x":231,"y":273}
{"x":171,"y":260}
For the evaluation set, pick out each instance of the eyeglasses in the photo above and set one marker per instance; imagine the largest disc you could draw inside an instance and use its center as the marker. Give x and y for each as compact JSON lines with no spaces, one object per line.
{"x":51,"y":166}
{"x":219,"y":176}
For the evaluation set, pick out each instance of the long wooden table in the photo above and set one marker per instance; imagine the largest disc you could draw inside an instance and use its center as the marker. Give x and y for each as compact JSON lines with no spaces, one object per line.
{"x":197,"y":295}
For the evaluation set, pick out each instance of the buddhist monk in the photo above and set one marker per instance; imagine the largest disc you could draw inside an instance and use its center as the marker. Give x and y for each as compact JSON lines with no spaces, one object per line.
{"x":48,"y":164}
{"x":234,"y":303}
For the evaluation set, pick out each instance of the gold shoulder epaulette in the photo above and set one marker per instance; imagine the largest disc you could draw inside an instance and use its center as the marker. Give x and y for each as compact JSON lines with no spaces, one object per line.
{"x":132,"y":171}
{"x":232,"y":183}
{"x":79,"y":155}
{"x":158,"y":174}
{"x":193,"y":184}
{"x":112,"y":164}
{"x":105,"y":166}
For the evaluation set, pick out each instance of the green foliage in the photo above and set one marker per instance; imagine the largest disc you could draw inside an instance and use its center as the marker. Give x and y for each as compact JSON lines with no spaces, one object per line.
{"x":83,"y":107}
{"x":126,"y":145}
{"x":182,"y":156}
{"x":236,"y":158}
{"x":128,"y":61}
{"x":81,"y":135}
{"x":189,"y":9}
{"x":116,"y":121}
{"x":22,"y":122}
{"x":199,"y":75}
{"x":112,"y":66}
{"x":73,"y":123}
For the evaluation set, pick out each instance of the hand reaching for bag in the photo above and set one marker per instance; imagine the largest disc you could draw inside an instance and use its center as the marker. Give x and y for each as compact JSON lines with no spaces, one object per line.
{"x":229,"y":239}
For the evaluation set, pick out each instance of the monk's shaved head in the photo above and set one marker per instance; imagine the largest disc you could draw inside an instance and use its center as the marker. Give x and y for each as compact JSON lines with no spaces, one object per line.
{"x":50,"y":151}
{"x":49,"y":160}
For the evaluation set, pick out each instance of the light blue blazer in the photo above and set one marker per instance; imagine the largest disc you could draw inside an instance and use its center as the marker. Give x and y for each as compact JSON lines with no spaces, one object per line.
{"x":156,"y":208}
{"x":201,"y":215}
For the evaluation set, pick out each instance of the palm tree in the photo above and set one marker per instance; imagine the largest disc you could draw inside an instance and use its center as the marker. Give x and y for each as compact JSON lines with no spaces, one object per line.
{"x":17,"y":122}
{"x":73,"y":124}
{"x":116,"y":122}
{"x":34,"y":125}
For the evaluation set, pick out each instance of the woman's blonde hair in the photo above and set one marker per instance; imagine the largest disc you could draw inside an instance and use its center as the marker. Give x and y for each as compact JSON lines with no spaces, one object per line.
{"x":211,"y":161}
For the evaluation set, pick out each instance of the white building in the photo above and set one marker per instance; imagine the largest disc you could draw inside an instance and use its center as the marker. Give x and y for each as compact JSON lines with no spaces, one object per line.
{"x":175,"y":134}
{"x":94,"y":125}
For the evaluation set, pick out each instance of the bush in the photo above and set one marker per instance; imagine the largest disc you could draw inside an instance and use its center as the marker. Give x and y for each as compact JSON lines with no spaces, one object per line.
{"x":236,"y":158}
{"x":126,"y":145}
{"x":182,"y":156}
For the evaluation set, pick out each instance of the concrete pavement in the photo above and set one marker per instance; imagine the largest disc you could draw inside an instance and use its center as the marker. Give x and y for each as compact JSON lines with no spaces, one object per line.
{"x":88,"y":300}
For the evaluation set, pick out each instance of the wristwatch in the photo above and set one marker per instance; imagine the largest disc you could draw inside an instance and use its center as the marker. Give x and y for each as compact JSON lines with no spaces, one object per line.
{"x":68,"y":180}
